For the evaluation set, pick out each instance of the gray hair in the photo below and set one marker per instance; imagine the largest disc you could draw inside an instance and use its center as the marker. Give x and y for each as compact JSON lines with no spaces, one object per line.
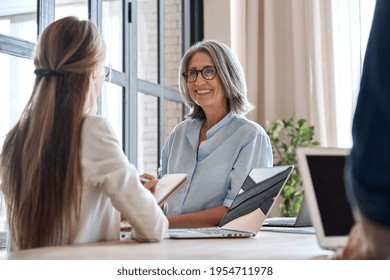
{"x":230,"y":72}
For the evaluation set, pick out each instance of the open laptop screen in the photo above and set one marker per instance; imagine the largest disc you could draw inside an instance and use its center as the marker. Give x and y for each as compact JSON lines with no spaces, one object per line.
{"x":327,"y":174}
{"x":259,"y":191}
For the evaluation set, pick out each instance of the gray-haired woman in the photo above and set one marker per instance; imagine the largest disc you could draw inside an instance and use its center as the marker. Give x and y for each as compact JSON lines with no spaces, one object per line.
{"x":216,"y":145}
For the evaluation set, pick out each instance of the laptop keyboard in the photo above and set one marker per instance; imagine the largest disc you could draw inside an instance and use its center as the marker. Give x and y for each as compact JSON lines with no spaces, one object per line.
{"x":271,"y":222}
{"x":214,"y":231}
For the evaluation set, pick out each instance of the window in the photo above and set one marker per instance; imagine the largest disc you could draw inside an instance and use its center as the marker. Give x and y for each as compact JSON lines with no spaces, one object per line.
{"x":15,"y":27}
{"x":159,"y":44}
{"x":155,"y":52}
{"x":352,"y":22}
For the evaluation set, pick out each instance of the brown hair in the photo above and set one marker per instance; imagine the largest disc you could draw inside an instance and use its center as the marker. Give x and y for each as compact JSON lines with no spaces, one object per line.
{"x":41,"y":171}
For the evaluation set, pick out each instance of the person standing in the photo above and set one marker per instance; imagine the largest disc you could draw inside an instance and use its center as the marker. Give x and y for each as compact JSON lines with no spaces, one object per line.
{"x":368,"y":168}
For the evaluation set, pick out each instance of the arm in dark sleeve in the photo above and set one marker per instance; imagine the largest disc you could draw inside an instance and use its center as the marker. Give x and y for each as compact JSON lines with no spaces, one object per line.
{"x":368,"y":170}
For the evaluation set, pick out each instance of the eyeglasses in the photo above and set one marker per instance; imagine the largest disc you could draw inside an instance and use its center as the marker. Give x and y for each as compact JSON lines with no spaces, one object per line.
{"x":208,"y":73}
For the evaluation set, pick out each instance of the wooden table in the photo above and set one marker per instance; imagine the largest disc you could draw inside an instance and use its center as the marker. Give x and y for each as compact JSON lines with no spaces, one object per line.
{"x":266,"y":246}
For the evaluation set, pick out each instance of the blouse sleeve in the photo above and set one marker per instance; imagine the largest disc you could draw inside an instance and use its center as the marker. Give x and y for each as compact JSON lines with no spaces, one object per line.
{"x":110,"y":170}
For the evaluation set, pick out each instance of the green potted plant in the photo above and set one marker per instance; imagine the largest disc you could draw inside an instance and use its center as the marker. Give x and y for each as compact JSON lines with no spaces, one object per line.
{"x":286,"y":136}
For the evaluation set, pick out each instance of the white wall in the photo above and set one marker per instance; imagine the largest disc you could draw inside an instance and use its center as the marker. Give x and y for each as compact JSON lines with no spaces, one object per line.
{"x":225,"y":21}
{"x":217,"y":20}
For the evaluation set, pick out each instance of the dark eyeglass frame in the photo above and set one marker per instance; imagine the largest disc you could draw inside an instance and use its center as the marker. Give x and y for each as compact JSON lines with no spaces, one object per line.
{"x":187,"y":73}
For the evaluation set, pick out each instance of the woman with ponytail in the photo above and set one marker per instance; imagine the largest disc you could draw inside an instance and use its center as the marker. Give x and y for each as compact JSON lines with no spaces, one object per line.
{"x":64,"y":176}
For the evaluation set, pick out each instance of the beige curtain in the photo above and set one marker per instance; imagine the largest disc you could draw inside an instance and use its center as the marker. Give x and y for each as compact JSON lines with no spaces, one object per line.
{"x":286,"y":50}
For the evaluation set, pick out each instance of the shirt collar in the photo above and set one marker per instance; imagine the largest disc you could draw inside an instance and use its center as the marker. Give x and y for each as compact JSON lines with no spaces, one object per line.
{"x":193,"y":130}
{"x":219,"y":125}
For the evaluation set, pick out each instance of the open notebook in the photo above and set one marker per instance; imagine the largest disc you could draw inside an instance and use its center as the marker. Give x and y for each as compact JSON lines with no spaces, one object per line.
{"x":168,"y":185}
{"x":249,"y":208}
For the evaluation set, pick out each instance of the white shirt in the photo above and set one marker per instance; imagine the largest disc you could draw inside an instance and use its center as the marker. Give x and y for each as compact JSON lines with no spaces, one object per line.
{"x":111,"y":186}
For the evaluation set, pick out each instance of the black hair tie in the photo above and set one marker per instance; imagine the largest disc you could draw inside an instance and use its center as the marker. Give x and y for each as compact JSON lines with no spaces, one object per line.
{"x":48,"y":73}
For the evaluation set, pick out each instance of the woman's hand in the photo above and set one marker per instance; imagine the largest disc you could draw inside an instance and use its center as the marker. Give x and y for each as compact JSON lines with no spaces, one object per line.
{"x":151,"y":183}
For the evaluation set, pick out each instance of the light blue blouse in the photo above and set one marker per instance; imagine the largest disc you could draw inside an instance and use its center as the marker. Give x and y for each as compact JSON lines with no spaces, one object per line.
{"x":219,"y":166}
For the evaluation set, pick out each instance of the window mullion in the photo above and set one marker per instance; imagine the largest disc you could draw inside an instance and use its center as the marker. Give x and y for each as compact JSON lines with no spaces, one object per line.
{"x":161,"y":70}
{"x":130,"y":93}
{"x":45,"y":14}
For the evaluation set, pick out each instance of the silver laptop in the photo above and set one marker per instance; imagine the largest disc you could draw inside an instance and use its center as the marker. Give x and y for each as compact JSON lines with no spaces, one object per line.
{"x":301,"y":220}
{"x":322,"y":171}
{"x":249,"y":208}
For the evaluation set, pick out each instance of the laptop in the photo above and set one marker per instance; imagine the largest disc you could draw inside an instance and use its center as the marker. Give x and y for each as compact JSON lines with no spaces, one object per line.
{"x":322,"y":171}
{"x":249,"y":208}
{"x":301,"y":220}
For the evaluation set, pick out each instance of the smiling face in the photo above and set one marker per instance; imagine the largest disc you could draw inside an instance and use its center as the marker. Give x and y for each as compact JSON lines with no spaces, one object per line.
{"x":208,"y":94}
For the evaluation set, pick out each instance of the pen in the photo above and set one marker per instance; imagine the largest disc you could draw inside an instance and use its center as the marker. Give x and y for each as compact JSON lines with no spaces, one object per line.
{"x":143,"y":180}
